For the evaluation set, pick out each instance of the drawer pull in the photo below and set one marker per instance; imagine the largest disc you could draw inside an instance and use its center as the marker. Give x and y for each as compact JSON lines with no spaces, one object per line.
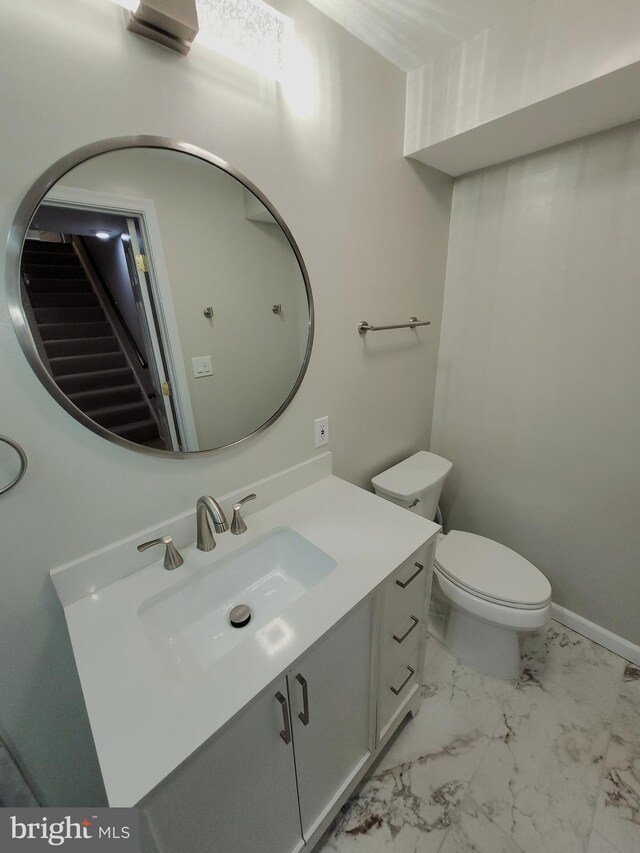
{"x":397,"y":692}
{"x":401,"y":639}
{"x":285,"y":734}
{"x":304,"y":715}
{"x":405,"y":584}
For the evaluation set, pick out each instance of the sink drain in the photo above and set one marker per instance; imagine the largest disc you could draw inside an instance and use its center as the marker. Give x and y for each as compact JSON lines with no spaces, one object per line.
{"x":240,"y":616}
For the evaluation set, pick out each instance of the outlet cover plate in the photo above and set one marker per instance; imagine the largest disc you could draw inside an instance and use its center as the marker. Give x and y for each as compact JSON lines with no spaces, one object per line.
{"x":202,"y":366}
{"x":321,"y":431}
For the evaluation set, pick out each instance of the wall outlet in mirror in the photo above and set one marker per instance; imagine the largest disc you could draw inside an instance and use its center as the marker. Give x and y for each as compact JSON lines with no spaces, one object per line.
{"x":202,"y":366}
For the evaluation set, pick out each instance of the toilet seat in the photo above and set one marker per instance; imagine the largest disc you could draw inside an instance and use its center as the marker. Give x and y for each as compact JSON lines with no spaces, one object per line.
{"x":490,"y":571}
{"x":494,"y":613}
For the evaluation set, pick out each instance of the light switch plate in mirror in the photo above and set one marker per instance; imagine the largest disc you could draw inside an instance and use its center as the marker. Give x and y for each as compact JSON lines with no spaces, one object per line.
{"x":111,"y":256}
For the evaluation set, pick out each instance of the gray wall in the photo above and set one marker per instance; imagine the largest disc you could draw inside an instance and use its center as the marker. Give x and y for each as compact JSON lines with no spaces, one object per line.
{"x":326,"y":148}
{"x":537,"y":400}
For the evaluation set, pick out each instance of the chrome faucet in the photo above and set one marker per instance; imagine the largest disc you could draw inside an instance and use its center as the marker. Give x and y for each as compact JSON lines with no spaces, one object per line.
{"x":208,"y":506}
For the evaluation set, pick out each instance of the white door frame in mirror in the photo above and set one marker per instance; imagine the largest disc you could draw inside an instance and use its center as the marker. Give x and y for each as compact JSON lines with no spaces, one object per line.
{"x":24,"y":215}
{"x":144,"y":210}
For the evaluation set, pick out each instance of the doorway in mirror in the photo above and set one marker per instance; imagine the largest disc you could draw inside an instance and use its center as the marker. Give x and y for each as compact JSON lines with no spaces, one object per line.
{"x":88,"y":291}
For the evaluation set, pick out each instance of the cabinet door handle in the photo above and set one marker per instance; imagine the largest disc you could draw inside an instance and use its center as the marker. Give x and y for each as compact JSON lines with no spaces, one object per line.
{"x":285,"y":734}
{"x":406,"y":583}
{"x":304,"y":715}
{"x":397,"y":692}
{"x":401,"y":639}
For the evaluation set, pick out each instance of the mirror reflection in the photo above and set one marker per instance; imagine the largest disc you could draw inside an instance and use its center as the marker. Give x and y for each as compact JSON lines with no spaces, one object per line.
{"x":165,"y":300}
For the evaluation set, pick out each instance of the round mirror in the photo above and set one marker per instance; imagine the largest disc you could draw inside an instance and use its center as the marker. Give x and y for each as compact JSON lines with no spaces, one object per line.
{"x":159,"y":296}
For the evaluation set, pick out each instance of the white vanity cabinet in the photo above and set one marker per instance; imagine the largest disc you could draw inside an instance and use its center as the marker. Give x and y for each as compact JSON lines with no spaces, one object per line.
{"x":252,"y":741}
{"x":243,"y":791}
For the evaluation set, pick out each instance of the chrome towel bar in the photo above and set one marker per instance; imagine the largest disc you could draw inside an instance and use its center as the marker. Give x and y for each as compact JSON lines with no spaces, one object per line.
{"x":365,"y":327}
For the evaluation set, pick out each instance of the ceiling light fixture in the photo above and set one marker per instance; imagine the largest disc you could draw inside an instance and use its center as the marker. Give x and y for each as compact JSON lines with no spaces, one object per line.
{"x":171,"y":23}
{"x":103,"y":235}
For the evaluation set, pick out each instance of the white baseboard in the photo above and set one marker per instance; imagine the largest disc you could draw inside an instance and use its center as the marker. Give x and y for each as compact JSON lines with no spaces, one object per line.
{"x":618,"y":645}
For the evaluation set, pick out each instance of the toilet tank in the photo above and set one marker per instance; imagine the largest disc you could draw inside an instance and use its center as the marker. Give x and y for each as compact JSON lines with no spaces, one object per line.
{"x":415,"y":483}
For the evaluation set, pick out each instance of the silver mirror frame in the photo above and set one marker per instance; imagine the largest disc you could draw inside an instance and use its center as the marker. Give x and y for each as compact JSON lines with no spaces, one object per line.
{"x":17,"y":236}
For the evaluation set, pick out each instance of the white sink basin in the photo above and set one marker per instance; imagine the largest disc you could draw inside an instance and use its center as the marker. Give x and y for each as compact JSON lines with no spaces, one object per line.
{"x":189,"y":623}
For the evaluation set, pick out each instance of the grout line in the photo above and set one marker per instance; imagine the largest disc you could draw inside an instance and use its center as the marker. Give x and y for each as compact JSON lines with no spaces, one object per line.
{"x":602,"y":773}
{"x":489,"y":735}
{"x":469,"y":797}
{"x":606,"y":839}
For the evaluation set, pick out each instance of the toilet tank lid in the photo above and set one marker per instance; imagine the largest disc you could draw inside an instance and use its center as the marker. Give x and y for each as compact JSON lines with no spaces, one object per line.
{"x":412,"y":476}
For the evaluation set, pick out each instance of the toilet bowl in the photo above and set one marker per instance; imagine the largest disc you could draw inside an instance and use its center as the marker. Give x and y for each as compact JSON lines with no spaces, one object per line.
{"x":484,"y":593}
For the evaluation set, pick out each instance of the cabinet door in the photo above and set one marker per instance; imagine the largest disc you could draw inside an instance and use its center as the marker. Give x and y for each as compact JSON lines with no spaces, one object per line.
{"x":237,"y":793}
{"x":330,"y":708}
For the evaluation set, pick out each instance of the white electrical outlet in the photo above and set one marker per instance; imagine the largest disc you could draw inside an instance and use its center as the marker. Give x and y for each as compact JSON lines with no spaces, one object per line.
{"x":321,"y":431}
{"x":202,"y":366}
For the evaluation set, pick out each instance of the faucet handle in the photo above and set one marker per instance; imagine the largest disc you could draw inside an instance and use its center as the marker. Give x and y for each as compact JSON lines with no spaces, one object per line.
{"x":172,"y":557}
{"x":237,"y":522}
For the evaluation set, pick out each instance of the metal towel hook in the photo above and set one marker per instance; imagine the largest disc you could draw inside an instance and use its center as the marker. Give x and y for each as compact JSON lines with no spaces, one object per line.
{"x":23,"y":463}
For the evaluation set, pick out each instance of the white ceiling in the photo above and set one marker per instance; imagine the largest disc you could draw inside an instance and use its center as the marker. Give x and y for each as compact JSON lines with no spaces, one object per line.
{"x":410,"y":32}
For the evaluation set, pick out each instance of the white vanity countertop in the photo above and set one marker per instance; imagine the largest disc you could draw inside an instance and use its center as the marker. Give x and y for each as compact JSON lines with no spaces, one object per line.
{"x":147,"y":719}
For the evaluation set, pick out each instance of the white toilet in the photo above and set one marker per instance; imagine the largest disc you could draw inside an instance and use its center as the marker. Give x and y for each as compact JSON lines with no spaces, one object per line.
{"x":484,"y":593}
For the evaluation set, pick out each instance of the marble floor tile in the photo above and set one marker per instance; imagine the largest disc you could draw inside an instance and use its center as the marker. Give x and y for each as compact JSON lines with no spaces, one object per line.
{"x":459,"y":706}
{"x":437,"y":732}
{"x":539,"y":778}
{"x":476,"y":696}
{"x":626,"y":720}
{"x":598,"y":844}
{"x":585,"y":670}
{"x":488,"y":766}
{"x":472,"y":832}
{"x":618,"y":813}
{"x":409,"y":807}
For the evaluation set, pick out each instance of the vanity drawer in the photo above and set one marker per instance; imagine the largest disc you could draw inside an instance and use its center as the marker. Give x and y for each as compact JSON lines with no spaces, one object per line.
{"x":405,"y":592}
{"x":397,"y":687}
{"x":402,"y":634}
{"x":409,"y":632}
